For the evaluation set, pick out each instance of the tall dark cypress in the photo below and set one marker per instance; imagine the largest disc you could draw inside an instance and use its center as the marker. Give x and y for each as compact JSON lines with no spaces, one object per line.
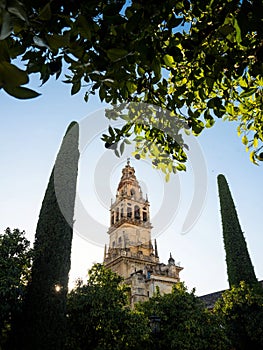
{"x":45,"y":307}
{"x":239,"y":266}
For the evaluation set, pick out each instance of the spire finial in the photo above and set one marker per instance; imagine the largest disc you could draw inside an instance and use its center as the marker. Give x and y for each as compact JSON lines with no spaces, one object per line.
{"x":171,"y":260}
{"x":105,"y":251}
{"x":128,"y":160}
{"x":155,"y":248}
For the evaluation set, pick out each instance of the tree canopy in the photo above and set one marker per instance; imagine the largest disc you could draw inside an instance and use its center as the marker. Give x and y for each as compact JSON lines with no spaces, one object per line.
{"x":185,"y":323}
{"x":241,"y":308}
{"x":198,"y":59}
{"x":99,"y":316}
{"x":15,"y":265}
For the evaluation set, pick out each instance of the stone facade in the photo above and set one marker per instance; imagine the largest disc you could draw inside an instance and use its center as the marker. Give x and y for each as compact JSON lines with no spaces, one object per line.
{"x":131,"y":253}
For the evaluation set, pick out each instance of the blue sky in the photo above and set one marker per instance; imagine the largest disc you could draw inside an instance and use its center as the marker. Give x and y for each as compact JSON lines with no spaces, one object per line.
{"x":31,"y":133}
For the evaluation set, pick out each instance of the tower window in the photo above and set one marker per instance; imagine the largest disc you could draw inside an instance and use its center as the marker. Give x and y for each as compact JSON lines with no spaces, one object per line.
{"x":144,"y":216}
{"x":119,"y":239}
{"x":129,"y":212}
{"x":132,"y":192}
{"x":112,"y":218}
{"x":137,"y":212}
{"x":117,"y":214}
{"x":122,"y":213}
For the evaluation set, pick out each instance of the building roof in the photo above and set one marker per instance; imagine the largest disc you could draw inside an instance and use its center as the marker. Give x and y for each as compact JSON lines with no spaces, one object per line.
{"x":210,"y":299}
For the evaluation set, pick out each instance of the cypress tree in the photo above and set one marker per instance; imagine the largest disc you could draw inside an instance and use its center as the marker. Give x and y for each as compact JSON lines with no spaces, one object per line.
{"x":239,"y":266}
{"x":45,"y":306}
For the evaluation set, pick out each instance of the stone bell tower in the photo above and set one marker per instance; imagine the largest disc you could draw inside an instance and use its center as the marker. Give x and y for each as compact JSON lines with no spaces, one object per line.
{"x":130,"y":252}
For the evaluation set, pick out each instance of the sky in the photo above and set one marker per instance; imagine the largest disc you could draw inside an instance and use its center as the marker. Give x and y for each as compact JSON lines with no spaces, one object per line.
{"x":185,"y":212}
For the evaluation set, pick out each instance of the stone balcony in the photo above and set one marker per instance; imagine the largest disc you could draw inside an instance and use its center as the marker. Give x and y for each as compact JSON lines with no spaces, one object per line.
{"x":133,"y":221}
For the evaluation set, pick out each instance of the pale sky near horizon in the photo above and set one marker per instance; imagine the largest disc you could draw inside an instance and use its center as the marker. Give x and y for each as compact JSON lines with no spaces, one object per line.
{"x":31,"y":133}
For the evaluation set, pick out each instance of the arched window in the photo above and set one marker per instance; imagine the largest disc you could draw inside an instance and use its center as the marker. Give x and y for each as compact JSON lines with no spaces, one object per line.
{"x":137,"y":215}
{"x":144,"y":216}
{"x":132,"y":192}
{"x":112,"y":218}
{"x":122,"y":213}
{"x":117,"y":214}
{"x":129,"y":212}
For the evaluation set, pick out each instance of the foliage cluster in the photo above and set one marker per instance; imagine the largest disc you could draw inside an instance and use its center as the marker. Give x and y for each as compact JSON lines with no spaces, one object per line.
{"x":99,"y":317}
{"x":185,"y":322}
{"x":198,"y":59}
{"x":15,"y":263}
{"x":241,"y":309}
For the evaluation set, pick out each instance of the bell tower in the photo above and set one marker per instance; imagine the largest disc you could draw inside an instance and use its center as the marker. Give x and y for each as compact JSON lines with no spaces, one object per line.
{"x":130,"y":225}
{"x":130,"y":252}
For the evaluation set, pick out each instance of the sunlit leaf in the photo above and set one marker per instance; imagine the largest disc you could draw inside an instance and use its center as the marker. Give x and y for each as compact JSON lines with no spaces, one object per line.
{"x":245,"y":140}
{"x":168,"y":60}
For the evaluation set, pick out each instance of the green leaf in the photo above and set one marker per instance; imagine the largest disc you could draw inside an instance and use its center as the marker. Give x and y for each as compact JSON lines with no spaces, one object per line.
{"x":167,"y":177}
{"x":214,"y":102}
{"x":11,"y":76}
{"x":45,"y":14}
{"x":156,"y":66}
{"x":21,"y":92}
{"x":140,"y":71}
{"x":117,"y":153}
{"x":209,"y":123}
{"x":7,"y":27}
{"x":168,"y":60}
{"x":238,"y":31}
{"x":181,"y":167}
{"x":4,"y":51}
{"x":40,"y":42}
{"x":55,"y":41}
{"x":244,"y":140}
{"x":248,"y":92}
{"x":75,"y":87}
{"x":122,"y":147}
{"x":102,"y":93}
{"x":155,"y":151}
{"x":116,"y":54}
{"x":84,"y":27}
{"x":255,"y":142}
{"x":131,"y":87}
{"x":111,"y":132}
{"x":197,"y":126}
{"x":252,"y":157}
{"x":15,"y":7}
